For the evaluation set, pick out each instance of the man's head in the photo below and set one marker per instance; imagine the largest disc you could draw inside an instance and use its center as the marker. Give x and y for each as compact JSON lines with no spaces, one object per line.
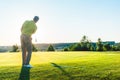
{"x":35,"y":19}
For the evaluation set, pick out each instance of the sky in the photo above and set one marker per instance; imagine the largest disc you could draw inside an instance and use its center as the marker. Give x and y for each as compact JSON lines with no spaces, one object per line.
{"x":61,"y":20}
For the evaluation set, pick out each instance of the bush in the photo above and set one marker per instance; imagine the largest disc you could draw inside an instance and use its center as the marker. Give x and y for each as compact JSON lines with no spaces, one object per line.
{"x":66,"y":49}
{"x":75,"y":47}
{"x":15,"y":48}
{"x":34,"y":48}
{"x":50,"y":48}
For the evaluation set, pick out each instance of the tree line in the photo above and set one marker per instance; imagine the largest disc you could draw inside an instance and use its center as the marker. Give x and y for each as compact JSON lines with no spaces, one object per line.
{"x":15,"y":48}
{"x":84,"y":45}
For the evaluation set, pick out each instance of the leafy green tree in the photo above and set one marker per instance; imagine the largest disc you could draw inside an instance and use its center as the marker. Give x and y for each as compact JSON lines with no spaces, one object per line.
{"x":50,"y":48}
{"x":99,"y":45}
{"x":76,"y":47}
{"x":66,"y":49}
{"x":107,"y":47}
{"x":113,"y":48}
{"x":118,"y":46}
{"x":84,"y":39}
{"x":90,"y":47}
{"x":85,"y":44}
{"x":34,"y":48}
{"x":70,"y":47}
{"x":15,"y":48}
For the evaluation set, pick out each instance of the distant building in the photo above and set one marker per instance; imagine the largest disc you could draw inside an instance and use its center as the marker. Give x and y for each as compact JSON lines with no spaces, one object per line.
{"x":109,"y":42}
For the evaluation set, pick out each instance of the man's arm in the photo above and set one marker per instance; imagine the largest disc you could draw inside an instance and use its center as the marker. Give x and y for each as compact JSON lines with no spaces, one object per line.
{"x":34,"y":31}
{"x":35,"y":28}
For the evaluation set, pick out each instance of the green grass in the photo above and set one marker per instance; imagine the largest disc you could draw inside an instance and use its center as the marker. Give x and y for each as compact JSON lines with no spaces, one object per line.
{"x":62,"y":66}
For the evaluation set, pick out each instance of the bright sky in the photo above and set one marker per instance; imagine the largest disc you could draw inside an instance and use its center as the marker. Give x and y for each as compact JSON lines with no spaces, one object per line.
{"x":61,"y":20}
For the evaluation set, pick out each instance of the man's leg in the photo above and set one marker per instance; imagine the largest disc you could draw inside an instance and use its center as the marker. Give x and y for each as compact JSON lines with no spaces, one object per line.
{"x":23,"y":49}
{"x":29,"y":49}
{"x":23,"y":56}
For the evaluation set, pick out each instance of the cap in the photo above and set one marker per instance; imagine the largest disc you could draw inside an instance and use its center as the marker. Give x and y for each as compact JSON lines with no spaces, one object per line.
{"x":36,"y":18}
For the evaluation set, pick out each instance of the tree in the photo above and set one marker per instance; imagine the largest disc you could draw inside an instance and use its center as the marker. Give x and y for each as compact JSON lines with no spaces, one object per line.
{"x":15,"y":48}
{"x":34,"y":48}
{"x":84,"y":39}
{"x":107,"y":47}
{"x":99,"y":45}
{"x":71,"y":46}
{"x":50,"y":48}
{"x":116,"y":47}
{"x":85,"y":44}
{"x":76,"y":47}
{"x":66,"y":49}
{"x":90,"y":47}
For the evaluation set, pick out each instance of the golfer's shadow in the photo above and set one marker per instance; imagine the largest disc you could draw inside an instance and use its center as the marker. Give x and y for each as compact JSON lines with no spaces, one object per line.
{"x":24,"y":74}
{"x":63,"y":71}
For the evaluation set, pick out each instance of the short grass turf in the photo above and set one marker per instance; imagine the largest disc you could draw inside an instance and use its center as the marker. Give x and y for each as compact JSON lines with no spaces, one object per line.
{"x":62,"y":66}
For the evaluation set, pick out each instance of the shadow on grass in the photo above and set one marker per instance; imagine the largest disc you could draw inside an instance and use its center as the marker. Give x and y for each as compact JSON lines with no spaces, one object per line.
{"x":63,"y":71}
{"x":24,"y":74}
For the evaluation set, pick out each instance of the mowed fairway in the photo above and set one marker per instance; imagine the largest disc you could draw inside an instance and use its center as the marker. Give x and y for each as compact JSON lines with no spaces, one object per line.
{"x":62,"y":66}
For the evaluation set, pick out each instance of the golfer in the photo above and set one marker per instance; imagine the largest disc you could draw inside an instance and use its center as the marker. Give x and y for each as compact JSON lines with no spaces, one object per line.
{"x":28,"y":28}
